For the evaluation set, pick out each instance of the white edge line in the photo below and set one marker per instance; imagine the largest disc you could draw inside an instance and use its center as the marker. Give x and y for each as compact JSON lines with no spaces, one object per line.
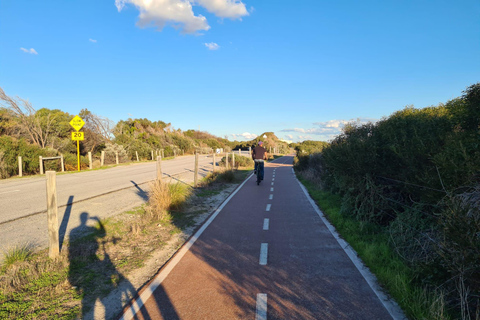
{"x":392,"y":307}
{"x":9,"y":191}
{"x":137,"y":305}
{"x":261,"y":310}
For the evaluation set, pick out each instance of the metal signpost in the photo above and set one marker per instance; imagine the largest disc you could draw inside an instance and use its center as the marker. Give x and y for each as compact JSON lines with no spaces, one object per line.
{"x":77,"y":124}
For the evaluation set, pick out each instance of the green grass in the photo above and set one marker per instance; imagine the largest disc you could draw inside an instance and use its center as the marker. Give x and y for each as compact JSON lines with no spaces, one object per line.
{"x":371,"y":242}
{"x":17,"y":254}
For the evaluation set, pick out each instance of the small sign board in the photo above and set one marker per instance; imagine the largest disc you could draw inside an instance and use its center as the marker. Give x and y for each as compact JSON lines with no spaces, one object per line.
{"x":77,"y":123}
{"x":79,"y":136}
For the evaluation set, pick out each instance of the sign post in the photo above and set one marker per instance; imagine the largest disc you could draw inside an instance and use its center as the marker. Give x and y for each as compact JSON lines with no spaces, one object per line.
{"x":77,"y":124}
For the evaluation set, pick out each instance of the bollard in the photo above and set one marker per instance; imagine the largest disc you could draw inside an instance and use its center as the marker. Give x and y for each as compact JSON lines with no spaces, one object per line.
{"x":233,"y":160}
{"x":102,"y":159}
{"x":136,"y":153}
{"x":226,"y":160}
{"x":20,"y":166}
{"x":62,"y":163}
{"x":195,"y":178}
{"x":52,"y":215}
{"x":116,"y":157}
{"x":152,"y":155}
{"x":41,"y":164}
{"x":90,"y":164}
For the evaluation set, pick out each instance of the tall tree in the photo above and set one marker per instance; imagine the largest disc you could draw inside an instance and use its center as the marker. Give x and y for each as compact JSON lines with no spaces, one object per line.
{"x":37,"y":127}
{"x":97,"y":129}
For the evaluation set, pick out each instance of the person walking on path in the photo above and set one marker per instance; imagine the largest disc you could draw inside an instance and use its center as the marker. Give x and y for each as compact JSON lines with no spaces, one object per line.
{"x":258,"y":155}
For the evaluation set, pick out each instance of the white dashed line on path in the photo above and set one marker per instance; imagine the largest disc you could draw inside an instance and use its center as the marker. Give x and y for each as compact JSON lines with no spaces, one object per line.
{"x":261,"y":312}
{"x":270,"y":197}
{"x":263,"y":254}
{"x":9,"y":191}
{"x":268,"y":207}
{"x":266,"y":224}
{"x":271,"y":189}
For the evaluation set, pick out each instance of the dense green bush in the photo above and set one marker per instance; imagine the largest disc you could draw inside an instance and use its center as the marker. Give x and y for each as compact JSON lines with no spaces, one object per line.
{"x":240,"y":161}
{"x":11,"y":148}
{"x":304,"y":150}
{"x":411,"y":173}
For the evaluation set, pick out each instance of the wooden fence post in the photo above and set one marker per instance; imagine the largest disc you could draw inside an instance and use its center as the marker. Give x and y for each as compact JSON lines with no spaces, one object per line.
{"x":90,"y":164}
{"x":214,"y":164}
{"x":62,"y":163}
{"x":163,"y":153}
{"x":102,"y":159}
{"x":233,"y":160}
{"x":159,"y":168}
{"x":116,"y":157}
{"x":136,"y":153}
{"x":152,"y":155}
{"x":20,"y":166}
{"x":226,"y":160}
{"x":195,"y":178}
{"x":52,"y":215}
{"x":40,"y":158}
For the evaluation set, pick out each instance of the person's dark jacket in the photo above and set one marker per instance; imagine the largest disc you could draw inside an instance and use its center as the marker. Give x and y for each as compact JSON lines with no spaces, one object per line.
{"x":259,"y":153}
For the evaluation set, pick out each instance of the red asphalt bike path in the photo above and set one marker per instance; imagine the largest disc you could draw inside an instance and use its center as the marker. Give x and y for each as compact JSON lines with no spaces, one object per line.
{"x":245,"y":267}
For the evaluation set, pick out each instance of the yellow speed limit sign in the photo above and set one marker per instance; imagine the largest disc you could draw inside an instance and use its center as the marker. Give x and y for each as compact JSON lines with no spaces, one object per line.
{"x":78,"y":136}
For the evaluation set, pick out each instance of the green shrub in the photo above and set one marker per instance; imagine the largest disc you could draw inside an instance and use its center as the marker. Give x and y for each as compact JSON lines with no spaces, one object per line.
{"x":240,"y":161}
{"x":11,"y":148}
{"x":408,"y":173}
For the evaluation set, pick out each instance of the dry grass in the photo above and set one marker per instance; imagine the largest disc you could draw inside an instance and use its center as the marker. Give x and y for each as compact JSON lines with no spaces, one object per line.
{"x":164,"y":197}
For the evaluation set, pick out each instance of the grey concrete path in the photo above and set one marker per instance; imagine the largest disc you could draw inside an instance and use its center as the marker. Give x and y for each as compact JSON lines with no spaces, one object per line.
{"x":265,"y":254}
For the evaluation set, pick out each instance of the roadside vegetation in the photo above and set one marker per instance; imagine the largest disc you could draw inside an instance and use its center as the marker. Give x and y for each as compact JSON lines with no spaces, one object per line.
{"x":30,"y":133}
{"x":99,"y":261}
{"x":409,"y":184}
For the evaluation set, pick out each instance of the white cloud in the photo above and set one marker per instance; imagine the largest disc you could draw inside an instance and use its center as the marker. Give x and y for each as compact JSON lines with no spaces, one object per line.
{"x":244,"y":136}
{"x":212,"y":46}
{"x":307,"y":137}
{"x":327,"y":130}
{"x":332,"y":123}
{"x":31,"y":50}
{"x":179,"y":13}
{"x":232,"y":9}
{"x":92,"y":40}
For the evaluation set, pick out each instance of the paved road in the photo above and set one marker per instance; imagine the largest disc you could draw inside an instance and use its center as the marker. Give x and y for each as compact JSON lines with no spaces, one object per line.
{"x":100,"y":193}
{"x":266,"y":254}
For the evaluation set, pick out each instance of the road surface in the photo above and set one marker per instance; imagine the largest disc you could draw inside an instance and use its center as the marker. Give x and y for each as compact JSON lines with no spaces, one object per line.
{"x":101,"y":193}
{"x":266,"y":253}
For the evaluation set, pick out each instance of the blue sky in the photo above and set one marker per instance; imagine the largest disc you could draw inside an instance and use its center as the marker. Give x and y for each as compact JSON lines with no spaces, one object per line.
{"x":239,"y":68}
